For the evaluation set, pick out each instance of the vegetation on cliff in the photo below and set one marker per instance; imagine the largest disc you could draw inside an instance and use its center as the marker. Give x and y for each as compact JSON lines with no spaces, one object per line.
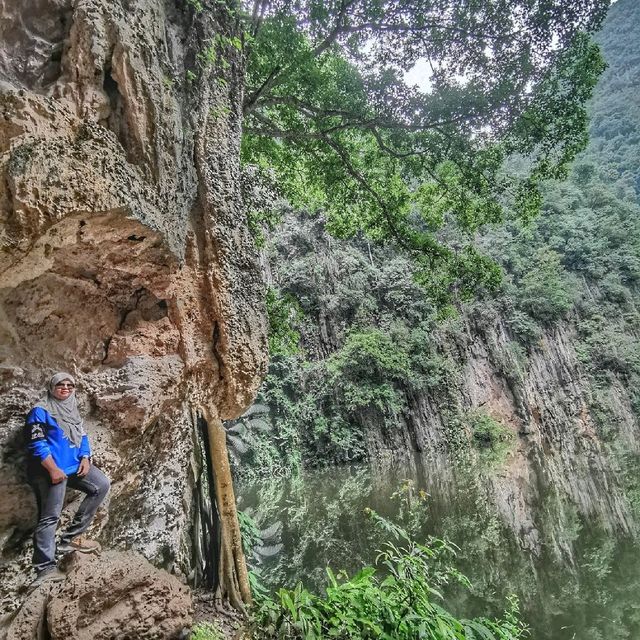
{"x":330,"y":119}
{"x":372,"y":338}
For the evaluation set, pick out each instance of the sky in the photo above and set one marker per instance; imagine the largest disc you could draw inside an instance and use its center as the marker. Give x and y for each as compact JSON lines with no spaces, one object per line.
{"x":419,"y":75}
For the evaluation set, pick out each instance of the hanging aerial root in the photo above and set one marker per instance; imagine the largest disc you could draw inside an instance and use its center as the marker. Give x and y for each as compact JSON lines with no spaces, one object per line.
{"x":234,"y":578}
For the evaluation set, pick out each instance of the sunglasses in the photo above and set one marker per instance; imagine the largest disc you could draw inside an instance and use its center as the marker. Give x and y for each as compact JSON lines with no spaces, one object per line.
{"x":64,"y":385}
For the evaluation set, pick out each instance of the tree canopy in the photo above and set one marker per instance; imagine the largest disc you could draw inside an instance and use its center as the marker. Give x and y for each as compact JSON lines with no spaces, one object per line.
{"x":330,"y":119}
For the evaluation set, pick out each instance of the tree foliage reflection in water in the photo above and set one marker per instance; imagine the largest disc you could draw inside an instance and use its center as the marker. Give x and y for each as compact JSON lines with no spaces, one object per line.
{"x":583,"y":583}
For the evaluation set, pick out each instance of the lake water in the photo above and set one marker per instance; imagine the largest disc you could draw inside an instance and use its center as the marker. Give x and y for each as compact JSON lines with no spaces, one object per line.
{"x":580,"y":580}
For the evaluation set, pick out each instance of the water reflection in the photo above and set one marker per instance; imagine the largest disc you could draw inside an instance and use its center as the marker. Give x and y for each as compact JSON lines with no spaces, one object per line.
{"x":576,"y":577}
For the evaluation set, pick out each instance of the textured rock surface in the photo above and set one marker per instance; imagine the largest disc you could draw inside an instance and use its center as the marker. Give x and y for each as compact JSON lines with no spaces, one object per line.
{"x":557,"y":454}
{"x":124,"y":257}
{"x":105,"y":597}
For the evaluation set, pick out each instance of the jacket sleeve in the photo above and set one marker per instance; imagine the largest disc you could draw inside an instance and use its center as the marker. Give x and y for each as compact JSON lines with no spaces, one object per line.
{"x":85,"y":449}
{"x":36,"y":439}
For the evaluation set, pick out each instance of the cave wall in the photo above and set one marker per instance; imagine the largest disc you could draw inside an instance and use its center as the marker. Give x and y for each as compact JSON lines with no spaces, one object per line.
{"x":124,"y":255}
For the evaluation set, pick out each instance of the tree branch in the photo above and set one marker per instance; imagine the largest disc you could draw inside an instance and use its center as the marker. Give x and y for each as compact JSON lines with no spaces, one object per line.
{"x":361,"y":180}
{"x":305,"y":107}
{"x":335,"y":32}
{"x":251,"y":102}
{"x":278,"y":72}
{"x":434,"y":25}
{"x":354,"y":119}
{"x":392,"y":152}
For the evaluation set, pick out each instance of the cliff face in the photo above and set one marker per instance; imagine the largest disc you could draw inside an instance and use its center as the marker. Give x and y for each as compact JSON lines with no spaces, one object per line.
{"x":555,"y":452}
{"x":125,"y":256}
{"x":547,"y":369}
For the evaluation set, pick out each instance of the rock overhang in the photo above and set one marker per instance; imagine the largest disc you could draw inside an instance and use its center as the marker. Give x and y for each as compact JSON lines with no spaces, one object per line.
{"x":124,"y":257}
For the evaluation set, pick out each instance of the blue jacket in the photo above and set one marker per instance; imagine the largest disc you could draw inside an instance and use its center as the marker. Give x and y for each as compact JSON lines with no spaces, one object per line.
{"x":45,"y":438}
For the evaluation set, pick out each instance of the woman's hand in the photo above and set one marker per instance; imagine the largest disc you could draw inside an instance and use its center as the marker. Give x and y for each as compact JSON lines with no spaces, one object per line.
{"x":84,"y":467}
{"x":57,"y":475}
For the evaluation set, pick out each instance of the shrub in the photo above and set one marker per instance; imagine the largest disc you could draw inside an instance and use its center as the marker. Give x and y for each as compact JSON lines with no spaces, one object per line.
{"x":283,"y":312}
{"x":396,"y":600}
{"x":544,"y":292}
{"x":493,"y":438}
{"x":368,"y":369}
{"x":605,"y":345}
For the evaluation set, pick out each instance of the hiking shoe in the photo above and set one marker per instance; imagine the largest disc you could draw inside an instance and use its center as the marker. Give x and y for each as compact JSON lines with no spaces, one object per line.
{"x":81,"y":545}
{"x":53,"y":574}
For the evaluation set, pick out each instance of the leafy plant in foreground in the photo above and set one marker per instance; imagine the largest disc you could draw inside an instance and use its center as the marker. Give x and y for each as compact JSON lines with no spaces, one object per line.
{"x":397,"y":599}
{"x":206,"y":631}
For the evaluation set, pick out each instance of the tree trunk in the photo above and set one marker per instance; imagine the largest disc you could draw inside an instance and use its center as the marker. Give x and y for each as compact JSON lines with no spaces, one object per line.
{"x":222,"y":239}
{"x":233,"y":575}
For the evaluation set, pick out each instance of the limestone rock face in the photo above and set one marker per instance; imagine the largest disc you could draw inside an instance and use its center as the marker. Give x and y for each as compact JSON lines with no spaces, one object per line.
{"x":104,"y":597}
{"x":124,"y":256}
{"x":557,"y":454}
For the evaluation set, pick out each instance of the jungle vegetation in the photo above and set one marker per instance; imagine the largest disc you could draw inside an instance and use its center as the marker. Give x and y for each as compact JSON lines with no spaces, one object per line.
{"x":330,"y":122}
{"x":356,"y":334}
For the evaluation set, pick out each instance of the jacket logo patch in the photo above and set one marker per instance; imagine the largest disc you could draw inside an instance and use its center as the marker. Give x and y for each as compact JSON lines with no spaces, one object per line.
{"x":37,"y":433}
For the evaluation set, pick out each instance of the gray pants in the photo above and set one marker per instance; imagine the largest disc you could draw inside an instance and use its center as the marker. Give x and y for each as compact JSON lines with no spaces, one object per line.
{"x":50,"y":500}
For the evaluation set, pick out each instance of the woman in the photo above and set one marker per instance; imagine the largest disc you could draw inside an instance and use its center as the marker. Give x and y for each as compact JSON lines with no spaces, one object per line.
{"x":60,"y":457}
